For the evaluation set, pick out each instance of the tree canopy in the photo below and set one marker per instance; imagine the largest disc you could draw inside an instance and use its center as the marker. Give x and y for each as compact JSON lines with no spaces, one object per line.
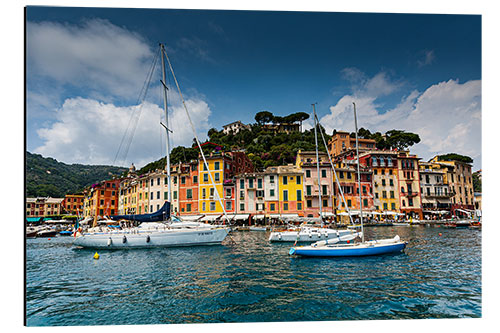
{"x":455,"y":157}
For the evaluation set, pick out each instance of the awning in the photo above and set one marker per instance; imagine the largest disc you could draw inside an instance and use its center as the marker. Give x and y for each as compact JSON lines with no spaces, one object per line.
{"x":289,"y":215}
{"x":33,"y":219}
{"x":191,"y":217}
{"x":260,"y":216}
{"x":210,"y":218}
{"x":240,"y":217}
{"x":463,"y":211}
{"x":274,"y":216}
{"x":326,"y":214}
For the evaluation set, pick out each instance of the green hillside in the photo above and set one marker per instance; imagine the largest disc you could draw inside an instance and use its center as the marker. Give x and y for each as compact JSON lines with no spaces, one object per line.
{"x":46,"y":176}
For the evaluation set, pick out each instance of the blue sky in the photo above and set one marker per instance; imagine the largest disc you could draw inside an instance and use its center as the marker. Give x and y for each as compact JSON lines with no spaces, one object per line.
{"x":86,"y":66}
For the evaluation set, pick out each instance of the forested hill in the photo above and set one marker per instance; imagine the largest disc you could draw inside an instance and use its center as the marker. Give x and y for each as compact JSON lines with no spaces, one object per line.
{"x":46,"y":176}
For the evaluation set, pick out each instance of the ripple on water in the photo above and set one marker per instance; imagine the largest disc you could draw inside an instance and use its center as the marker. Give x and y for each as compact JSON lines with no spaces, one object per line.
{"x":253,"y":280}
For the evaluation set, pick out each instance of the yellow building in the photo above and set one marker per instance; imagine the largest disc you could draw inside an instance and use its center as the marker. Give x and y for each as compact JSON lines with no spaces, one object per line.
{"x":291,"y":189}
{"x":208,"y":202}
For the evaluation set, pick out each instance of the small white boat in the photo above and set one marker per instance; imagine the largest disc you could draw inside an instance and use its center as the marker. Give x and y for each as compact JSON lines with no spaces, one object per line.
{"x":401,"y":224}
{"x":255,"y":228}
{"x":308,"y":234}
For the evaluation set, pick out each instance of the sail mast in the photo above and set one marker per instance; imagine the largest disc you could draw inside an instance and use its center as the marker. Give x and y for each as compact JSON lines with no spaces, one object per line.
{"x":359,"y":174}
{"x":169,"y":188}
{"x":317,"y":166}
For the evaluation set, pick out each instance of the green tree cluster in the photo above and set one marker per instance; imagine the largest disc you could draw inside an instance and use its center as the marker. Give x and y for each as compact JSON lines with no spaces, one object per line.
{"x":455,"y":157}
{"x":46,"y":177}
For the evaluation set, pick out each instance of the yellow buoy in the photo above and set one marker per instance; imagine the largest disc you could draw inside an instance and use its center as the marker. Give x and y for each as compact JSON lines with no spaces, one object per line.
{"x":96,"y":255}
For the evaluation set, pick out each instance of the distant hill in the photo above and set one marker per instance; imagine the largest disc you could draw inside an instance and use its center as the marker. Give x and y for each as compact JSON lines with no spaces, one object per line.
{"x":46,"y":176}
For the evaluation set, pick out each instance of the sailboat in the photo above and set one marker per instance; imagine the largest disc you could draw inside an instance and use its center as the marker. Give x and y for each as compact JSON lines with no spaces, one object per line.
{"x":310,"y":234}
{"x":332,"y":248}
{"x":157,"y":229}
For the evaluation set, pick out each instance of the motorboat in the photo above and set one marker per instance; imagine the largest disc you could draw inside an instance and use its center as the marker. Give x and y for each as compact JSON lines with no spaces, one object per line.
{"x":308,"y":234}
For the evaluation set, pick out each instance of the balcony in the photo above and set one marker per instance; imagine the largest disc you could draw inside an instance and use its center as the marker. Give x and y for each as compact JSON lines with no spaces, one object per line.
{"x":410,"y":194}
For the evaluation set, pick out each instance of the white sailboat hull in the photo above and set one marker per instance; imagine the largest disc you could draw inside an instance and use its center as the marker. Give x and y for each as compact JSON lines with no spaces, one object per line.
{"x":308,"y":235}
{"x":150,"y":239}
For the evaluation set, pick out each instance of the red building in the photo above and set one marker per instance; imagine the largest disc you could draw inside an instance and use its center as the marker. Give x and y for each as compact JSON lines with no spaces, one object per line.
{"x":73,"y":204}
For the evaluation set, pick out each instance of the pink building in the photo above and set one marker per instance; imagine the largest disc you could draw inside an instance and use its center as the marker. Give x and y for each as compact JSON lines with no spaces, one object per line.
{"x":307,"y":162}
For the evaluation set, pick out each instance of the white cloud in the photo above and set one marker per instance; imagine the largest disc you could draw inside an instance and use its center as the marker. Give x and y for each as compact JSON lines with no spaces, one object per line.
{"x":89,"y":132}
{"x":98,"y":56}
{"x":447,"y":116}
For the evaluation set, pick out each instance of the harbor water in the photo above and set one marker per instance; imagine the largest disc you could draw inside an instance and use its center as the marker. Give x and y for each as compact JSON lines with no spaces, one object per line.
{"x":252,"y":280}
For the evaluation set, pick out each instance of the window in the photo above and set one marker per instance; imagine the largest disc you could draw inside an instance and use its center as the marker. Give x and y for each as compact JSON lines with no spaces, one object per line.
{"x":152,"y":183}
{"x":271,"y":179}
{"x":216,"y":165}
{"x":376,"y":195}
{"x":212,"y":205}
{"x":101,"y":212}
{"x":242,"y":206}
{"x":410,"y":202}
{"x":204,"y":167}
{"x":205,"y":178}
{"x":383,"y":182}
{"x":102,"y":192}
{"x":175,"y":180}
{"x":285,"y":195}
{"x":299,"y":195}
{"x":348,"y":202}
{"x":158,"y":195}
{"x":271,"y":192}
{"x":250,"y":182}
{"x":308,"y":173}
{"x":101,"y":203}
{"x":308,"y":189}
{"x":151,"y":208}
{"x":259,"y":183}
{"x":189,"y":193}
{"x":183,"y":180}
{"x":285,"y":206}
{"x":285,"y":180}
{"x":158,"y":181}
{"x":212,"y":192}
{"x":385,"y":205}
{"x":402,"y":189}
{"x":341,"y":174}
{"x":404,"y":203}
{"x":146,"y":195}
{"x":175,"y":195}
{"x":217,"y":175}
{"x":203,"y":206}
{"x":364,"y":189}
{"x":228,"y":205}
{"x":323,"y":173}
{"x":365,"y":202}
{"x":348,"y":175}
{"x":309,"y":203}
{"x":384,"y":194}
{"x":107,"y":184}
{"x":392,"y":194}
{"x":298,"y":180}
{"x":195,"y":179}
{"x":272,"y":207}
{"x":324,"y":189}
{"x":299,"y":205}
{"x":112,"y":203}
{"x":393,"y":206}
{"x":428,"y":190}
{"x":242,"y":183}
{"x":391,"y":182}
{"x":374,"y":171}
{"x":228,"y":192}
{"x":325,"y":203}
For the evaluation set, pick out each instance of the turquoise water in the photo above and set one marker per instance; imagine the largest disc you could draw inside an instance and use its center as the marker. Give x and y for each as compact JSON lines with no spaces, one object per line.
{"x":253,"y":281}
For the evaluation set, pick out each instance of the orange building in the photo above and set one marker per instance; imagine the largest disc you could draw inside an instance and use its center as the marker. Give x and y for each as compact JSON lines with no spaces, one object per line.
{"x":73,"y":204}
{"x":342,"y":141}
{"x":185,"y":194}
{"x":101,"y":199}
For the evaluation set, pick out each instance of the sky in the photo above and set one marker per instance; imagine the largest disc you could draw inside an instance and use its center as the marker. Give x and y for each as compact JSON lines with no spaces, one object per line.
{"x":86,"y":68}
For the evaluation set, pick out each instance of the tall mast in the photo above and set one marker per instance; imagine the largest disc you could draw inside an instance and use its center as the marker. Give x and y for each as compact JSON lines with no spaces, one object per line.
{"x":169,"y":188}
{"x":359,"y":174}
{"x":317,"y":166}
